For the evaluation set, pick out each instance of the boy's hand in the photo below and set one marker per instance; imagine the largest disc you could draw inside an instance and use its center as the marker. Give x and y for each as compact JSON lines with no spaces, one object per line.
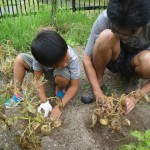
{"x":46,"y":107}
{"x":56,"y":113}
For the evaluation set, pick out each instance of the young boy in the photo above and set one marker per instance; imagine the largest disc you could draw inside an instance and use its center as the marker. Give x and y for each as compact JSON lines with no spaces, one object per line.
{"x":50,"y":52}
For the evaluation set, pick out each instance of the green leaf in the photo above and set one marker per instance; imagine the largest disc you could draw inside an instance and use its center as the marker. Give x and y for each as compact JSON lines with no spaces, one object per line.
{"x":147,"y":137}
{"x":3,"y":99}
{"x":131,"y":146}
{"x":148,"y":142}
{"x":142,"y":148}
{"x":147,"y":134}
{"x":138,"y":135}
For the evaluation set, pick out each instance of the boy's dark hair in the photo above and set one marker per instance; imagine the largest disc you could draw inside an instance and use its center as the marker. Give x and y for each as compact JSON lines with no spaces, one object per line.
{"x":48,"y":48}
{"x":129,"y":14}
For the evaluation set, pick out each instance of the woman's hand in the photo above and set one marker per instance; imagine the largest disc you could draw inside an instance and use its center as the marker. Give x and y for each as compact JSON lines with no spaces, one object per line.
{"x":130,"y":103}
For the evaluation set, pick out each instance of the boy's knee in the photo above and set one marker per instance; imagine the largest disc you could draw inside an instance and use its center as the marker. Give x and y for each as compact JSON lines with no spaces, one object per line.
{"x":18,"y":58}
{"x":61,"y":81}
{"x":20,"y":61}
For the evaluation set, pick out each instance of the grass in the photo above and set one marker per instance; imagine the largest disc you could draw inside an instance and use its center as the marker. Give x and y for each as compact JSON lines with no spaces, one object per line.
{"x":75,"y":27}
{"x":3,"y":99}
{"x":21,"y":29}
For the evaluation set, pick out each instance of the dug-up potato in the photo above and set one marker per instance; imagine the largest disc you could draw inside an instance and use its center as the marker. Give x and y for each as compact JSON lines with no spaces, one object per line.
{"x":94,"y":120}
{"x":57,"y":123}
{"x":103,"y":122}
{"x":126,"y":122}
{"x":46,"y":130}
{"x":115,"y":124}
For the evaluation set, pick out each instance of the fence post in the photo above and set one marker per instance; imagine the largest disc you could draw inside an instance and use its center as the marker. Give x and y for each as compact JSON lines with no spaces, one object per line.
{"x":53,"y":13}
{"x":74,"y":5}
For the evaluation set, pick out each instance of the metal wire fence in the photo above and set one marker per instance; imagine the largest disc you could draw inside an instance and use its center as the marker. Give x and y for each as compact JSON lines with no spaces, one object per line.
{"x":15,"y":7}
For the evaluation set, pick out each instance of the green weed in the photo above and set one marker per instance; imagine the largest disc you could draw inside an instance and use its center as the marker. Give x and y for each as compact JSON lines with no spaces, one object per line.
{"x":142,"y":141}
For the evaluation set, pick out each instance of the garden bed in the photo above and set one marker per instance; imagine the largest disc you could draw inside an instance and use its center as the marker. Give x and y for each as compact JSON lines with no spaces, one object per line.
{"x":76,"y":133}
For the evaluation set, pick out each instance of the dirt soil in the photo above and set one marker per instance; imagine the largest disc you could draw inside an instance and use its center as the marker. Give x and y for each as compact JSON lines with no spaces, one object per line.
{"x":76,"y":133}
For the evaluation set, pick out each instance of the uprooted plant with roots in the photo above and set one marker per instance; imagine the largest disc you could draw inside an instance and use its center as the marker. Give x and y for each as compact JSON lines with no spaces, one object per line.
{"x":31,"y":125}
{"x":35,"y":124}
{"x":7,"y":55}
{"x":110,"y":111}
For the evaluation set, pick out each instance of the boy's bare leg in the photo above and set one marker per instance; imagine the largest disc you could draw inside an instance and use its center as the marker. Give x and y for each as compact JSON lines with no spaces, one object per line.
{"x":19,"y":72}
{"x":20,"y":68}
{"x":61,"y":82}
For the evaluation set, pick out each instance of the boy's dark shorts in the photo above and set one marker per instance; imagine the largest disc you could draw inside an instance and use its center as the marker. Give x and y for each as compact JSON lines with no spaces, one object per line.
{"x":123,"y":63}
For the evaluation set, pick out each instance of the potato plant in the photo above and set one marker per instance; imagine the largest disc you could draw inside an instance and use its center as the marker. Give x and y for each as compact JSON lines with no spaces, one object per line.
{"x":7,"y":55}
{"x":34,"y":124}
{"x":109,"y":111}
